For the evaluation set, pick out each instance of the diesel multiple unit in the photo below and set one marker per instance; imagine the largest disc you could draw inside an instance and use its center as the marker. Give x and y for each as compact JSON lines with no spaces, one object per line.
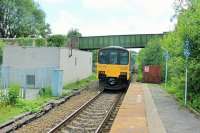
{"x":114,"y":67}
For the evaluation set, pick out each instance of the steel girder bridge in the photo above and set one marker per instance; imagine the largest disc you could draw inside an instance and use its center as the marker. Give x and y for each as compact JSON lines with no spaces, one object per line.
{"x":126,"y":41}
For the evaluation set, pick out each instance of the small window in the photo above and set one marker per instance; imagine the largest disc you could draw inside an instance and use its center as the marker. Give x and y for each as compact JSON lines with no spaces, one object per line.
{"x":30,"y":79}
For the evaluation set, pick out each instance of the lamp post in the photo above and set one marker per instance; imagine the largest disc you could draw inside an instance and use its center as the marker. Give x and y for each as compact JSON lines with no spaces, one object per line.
{"x":186,"y":54}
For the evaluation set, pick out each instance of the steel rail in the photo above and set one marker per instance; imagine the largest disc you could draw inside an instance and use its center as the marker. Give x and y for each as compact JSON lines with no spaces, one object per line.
{"x":108,"y":114}
{"x":74,"y":114}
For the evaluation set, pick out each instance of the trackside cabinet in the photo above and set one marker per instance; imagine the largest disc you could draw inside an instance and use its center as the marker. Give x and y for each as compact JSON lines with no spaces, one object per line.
{"x":57,"y":82}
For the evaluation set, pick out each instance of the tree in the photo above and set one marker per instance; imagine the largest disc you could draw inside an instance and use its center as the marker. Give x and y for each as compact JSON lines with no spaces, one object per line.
{"x":73,"y":33}
{"x":187,"y":27}
{"x":56,"y":40}
{"x":73,"y":37}
{"x":153,"y":53}
{"x":22,"y":18}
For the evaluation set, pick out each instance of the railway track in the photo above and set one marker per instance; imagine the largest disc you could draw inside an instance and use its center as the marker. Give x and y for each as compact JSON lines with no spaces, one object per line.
{"x":91,"y":116}
{"x":108,"y":124}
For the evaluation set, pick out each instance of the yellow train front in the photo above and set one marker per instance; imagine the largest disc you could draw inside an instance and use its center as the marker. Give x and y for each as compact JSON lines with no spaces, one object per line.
{"x":114,"y":68}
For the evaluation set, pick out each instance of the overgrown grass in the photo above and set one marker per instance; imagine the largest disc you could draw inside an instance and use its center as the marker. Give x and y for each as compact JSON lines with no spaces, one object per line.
{"x":10,"y":111}
{"x":174,"y":92}
{"x":178,"y":93}
{"x":68,"y":88}
{"x":194,"y":101}
{"x":19,"y":106}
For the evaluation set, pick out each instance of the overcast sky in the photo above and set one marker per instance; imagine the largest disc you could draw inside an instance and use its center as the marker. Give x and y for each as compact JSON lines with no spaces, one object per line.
{"x":108,"y":17}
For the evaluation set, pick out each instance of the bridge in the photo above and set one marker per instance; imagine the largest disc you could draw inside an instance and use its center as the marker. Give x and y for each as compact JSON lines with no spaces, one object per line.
{"x":126,"y":41}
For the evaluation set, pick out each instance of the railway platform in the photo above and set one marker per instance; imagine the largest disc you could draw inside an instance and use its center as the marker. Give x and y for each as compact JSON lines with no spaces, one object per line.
{"x":147,"y":108}
{"x":137,"y":114}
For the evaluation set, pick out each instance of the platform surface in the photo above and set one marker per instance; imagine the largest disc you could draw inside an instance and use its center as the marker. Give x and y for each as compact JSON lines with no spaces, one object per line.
{"x":131,"y":117}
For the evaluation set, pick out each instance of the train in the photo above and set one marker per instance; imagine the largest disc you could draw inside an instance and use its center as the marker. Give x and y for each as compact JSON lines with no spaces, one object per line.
{"x":114,"y":67}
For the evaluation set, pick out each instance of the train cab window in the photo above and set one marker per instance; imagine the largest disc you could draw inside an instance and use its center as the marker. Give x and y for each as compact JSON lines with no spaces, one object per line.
{"x":123,"y":58}
{"x":113,"y":57}
{"x":103,"y":57}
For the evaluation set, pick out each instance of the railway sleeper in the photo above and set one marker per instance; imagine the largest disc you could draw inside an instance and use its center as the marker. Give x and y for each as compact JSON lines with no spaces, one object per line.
{"x":88,"y":120}
{"x":95,"y":112}
{"x":83,"y":124}
{"x":91,"y":116}
{"x":72,"y":129}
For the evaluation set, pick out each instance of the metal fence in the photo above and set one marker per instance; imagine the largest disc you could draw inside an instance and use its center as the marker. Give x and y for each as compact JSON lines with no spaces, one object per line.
{"x":30,"y":80}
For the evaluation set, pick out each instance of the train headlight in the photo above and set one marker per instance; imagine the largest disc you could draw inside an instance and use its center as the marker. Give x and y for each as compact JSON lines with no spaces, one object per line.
{"x":102,"y":75}
{"x":101,"y":72}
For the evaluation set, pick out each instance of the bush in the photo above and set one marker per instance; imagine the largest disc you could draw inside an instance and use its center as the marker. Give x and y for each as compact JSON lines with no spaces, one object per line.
{"x":25,"y":41}
{"x":3,"y":99}
{"x":56,"y":41}
{"x":153,"y":53}
{"x":13,"y":94}
{"x":45,"y":92}
{"x":195,"y":101}
{"x":40,"y":42}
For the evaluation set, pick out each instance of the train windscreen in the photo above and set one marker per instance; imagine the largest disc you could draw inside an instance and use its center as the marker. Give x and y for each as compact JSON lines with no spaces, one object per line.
{"x":113,"y":56}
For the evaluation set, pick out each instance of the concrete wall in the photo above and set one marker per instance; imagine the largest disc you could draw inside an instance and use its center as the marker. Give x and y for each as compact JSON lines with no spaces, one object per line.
{"x":29,"y":57}
{"x":77,"y":66}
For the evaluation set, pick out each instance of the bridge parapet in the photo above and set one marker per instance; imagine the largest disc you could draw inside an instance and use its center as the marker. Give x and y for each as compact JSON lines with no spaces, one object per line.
{"x":126,"y":41}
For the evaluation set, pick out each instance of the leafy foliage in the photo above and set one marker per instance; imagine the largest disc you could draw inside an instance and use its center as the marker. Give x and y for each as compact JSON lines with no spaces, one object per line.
{"x":73,"y":33}
{"x":21,"y":19}
{"x":153,"y":54}
{"x":9,"y":111}
{"x":12,"y":97}
{"x":13,"y":94}
{"x":40,"y":42}
{"x":45,"y":92}
{"x":25,"y":41}
{"x":56,"y":40}
{"x":187,"y":27}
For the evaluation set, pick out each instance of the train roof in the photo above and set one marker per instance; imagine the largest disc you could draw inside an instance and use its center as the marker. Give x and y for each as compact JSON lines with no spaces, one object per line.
{"x":114,"y":47}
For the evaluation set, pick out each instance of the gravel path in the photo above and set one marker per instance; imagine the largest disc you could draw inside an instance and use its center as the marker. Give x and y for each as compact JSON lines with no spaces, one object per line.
{"x":56,"y":115}
{"x":175,"y":119}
